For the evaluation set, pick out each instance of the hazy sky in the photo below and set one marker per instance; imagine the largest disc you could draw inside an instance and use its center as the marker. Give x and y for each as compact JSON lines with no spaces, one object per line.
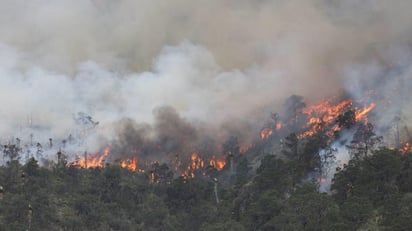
{"x":215,"y":62}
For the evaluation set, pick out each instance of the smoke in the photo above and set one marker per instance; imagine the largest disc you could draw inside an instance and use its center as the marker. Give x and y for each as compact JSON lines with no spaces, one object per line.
{"x":222,"y":66}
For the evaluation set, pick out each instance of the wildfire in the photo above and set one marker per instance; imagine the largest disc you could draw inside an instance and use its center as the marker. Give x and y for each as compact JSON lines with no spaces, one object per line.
{"x":279,"y":125}
{"x":268,"y":131}
{"x":197,"y":165}
{"x":218,"y":164}
{"x":265,"y":133}
{"x":244,"y":148}
{"x":92,"y":161}
{"x":407,"y":148}
{"x":362,"y":113}
{"x":130,"y":164}
{"x":196,"y":161}
{"x":326,"y":112}
{"x":324,"y":115}
{"x":323,"y":179}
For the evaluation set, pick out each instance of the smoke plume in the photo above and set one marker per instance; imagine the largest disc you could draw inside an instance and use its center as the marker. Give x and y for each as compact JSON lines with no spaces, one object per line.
{"x":179,"y":70}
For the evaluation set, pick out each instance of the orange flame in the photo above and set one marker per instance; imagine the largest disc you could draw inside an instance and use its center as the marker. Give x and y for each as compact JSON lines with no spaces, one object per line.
{"x":324,"y":115}
{"x":197,"y":166}
{"x":362,"y":113}
{"x":196,"y":161}
{"x":92,"y":161}
{"x":326,"y":112}
{"x":218,"y":164}
{"x":130,"y":164}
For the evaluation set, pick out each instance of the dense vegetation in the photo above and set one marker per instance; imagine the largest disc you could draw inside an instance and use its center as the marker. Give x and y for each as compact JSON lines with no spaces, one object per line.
{"x":372,"y":192}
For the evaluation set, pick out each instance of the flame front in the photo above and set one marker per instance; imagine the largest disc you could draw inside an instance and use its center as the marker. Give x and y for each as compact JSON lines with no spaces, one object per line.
{"x":92,"y":161}
{"x":326,"y":112}
{"x":324,"y":115}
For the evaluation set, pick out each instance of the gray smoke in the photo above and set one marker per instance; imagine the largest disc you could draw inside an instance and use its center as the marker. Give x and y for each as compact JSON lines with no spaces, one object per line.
{"x":222,"y":66}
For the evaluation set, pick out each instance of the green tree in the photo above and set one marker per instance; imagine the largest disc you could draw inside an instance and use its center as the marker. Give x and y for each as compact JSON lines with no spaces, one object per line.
{"x":397,"y":213}
{"x":308,"y":210}
{"x":364,"y":141}
{"x":229,"y":225}
{"x":273,"y":173}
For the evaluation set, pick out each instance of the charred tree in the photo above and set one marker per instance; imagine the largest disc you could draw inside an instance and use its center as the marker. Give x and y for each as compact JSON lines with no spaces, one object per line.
{"x":347,"y":119}
{"x":231,"y":148}
{"x":290,"y":146}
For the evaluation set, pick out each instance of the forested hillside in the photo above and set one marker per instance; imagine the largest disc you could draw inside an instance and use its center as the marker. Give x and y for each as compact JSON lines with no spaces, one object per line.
{"x":368,"y":193}
{"x":182,"y":115}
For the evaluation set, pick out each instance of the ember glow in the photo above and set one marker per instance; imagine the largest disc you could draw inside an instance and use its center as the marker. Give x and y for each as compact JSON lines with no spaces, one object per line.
{"x":218,"y":164}
{"x":278,"y":125}
{"x":196,"y":161}
{"x":407,"y":148}
{"x":265,"y":133}
{"x":130,"y":164}
{"x":244,"y":148}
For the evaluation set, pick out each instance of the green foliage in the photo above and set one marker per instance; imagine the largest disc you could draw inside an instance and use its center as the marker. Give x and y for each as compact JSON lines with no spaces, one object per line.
{"x":273,"y":173}
{"x":369,"y":193}
{"x":307,"y":209}
{"x":397,"y":213}
{"x":229,"y":225}
{"x":375,"y":177}
{"x":262,"y":209}
{"x":242,"y":171}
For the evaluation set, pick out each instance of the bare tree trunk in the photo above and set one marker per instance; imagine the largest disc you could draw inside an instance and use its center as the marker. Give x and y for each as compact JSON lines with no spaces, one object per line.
{"x":215,"y":189}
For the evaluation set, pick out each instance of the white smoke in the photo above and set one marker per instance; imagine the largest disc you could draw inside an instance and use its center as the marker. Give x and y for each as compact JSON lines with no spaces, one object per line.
{"x":185,"y":77}
{"x":218,"y":63}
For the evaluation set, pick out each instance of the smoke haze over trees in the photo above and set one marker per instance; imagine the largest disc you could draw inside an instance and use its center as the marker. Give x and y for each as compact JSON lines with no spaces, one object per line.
{"x":124,"y":59}
{"x":233,"y":115}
